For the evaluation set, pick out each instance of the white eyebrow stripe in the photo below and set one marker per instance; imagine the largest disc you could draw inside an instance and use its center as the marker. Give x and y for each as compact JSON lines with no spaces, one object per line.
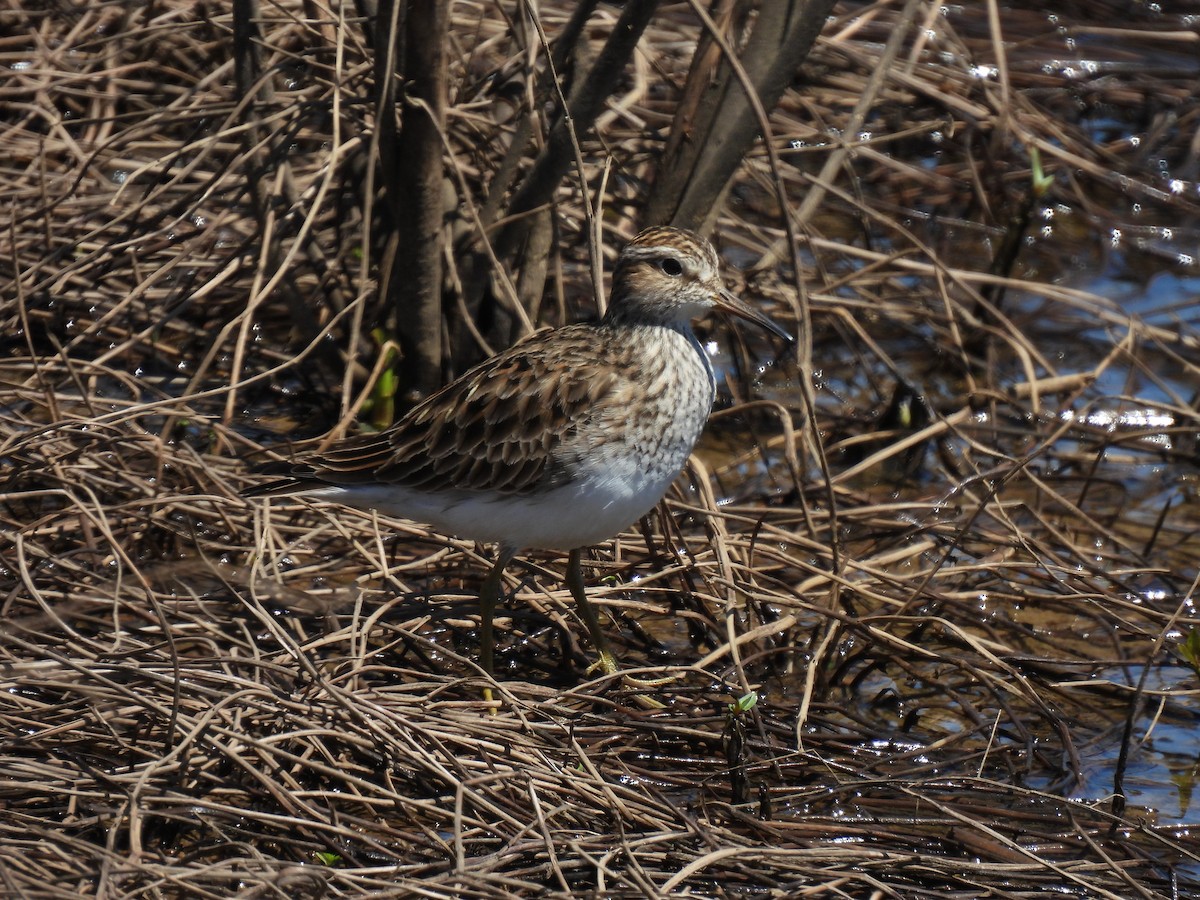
{"x":641,"y":252}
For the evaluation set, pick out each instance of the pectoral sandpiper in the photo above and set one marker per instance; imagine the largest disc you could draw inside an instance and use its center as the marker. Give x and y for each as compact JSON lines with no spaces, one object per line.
{"x":558,"y":442}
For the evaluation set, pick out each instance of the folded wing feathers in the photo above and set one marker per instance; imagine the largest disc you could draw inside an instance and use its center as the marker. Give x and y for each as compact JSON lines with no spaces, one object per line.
{"x":501,"y":427}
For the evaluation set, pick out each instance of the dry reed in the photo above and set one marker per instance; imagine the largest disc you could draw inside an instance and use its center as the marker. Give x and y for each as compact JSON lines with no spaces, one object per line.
{"x":958,"y":619}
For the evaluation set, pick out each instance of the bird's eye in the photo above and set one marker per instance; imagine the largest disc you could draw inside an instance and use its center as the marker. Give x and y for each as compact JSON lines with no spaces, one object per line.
{"x":671,"y":266}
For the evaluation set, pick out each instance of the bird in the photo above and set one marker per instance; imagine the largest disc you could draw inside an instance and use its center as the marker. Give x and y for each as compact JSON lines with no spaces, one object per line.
{"x":557,"y":443}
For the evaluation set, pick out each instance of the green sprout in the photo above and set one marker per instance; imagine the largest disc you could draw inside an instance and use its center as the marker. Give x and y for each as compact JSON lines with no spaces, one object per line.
{"x":743,"y":704}
{"x":1039,"y":179}
{"x":381,"y":404}
{"x":1190,"y":650}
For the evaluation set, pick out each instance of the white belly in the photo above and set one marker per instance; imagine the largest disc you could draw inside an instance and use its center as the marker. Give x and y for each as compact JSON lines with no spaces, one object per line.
{"x":613,"y":492}
{"x":619,"y":464}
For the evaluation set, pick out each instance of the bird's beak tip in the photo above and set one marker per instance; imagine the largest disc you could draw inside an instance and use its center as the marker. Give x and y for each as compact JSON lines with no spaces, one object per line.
{"x":732,"y":303}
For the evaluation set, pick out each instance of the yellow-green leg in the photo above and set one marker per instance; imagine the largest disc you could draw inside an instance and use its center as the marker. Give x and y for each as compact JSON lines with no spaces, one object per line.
{"x":489,"y":596}
{"x":606,"y":662}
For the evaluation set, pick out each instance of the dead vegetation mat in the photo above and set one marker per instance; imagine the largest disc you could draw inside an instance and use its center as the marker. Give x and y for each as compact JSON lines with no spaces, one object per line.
{"x":964,"y":613}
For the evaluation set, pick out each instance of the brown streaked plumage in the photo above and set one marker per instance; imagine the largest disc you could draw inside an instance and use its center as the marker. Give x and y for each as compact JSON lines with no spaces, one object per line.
{"x":558,"y":442}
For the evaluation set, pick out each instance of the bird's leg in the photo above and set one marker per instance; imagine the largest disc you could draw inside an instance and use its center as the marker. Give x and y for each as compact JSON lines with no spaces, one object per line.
{"x":606,"y":662}
{"x":489,"y":596}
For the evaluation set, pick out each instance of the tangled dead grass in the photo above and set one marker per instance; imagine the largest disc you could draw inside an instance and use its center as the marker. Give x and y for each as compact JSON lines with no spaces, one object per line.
{"x":962,"y":615}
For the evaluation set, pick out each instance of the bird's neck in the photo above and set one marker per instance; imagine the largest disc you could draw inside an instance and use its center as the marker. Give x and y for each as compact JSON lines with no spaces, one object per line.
{"x":639,"y":324}
{"x":624,"y":312}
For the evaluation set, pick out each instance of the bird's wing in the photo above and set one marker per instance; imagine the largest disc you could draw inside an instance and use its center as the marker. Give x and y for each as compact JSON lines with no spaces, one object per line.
{"x":505,"y":425}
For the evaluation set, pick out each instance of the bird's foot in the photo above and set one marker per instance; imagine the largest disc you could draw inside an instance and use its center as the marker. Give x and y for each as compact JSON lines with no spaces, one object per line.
{"x":607,"y":665}
{"x":490,"y":702}
{"x":647,"y":683}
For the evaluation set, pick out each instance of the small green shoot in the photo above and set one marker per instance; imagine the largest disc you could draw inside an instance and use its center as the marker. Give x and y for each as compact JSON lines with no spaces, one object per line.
{"x":734,"y":739}
{"x":1190,"y":650}
{"x":381,"y":404}
{"x":1038,"y":178}
{"x":328,"y":858}
{"x":743,"y":704}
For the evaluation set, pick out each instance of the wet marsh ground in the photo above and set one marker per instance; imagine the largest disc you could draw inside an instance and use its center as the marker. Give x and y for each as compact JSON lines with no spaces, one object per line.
{"x":960,"y":582}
